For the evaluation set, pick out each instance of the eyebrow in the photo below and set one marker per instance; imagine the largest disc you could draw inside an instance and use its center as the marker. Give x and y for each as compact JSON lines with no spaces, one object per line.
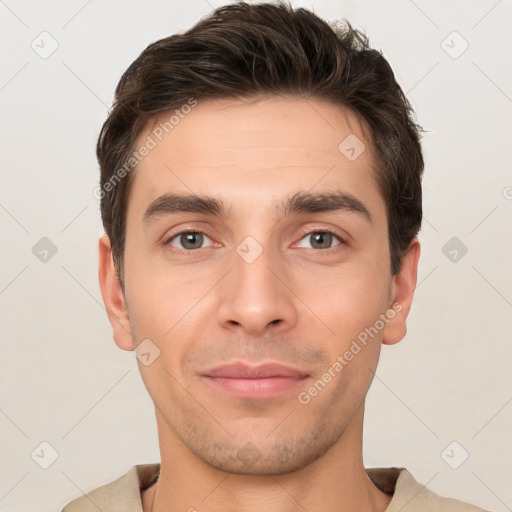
{"x":301,"y":202}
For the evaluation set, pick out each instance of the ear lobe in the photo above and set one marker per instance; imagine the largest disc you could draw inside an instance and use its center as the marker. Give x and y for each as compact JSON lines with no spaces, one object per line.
{"x":113,"y":297}
{"x":402,"y":291}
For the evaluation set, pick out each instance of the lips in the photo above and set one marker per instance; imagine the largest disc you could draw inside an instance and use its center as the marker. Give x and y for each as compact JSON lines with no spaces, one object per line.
{"x":260,"y":381}
{"x":262,"y":371}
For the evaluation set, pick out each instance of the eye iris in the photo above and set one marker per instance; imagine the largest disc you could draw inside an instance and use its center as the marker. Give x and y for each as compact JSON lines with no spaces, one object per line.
{"x":322,"y":239}
{"x":194,"y":239}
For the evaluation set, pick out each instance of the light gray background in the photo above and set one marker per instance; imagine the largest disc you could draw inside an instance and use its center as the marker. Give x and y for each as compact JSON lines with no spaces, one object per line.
{"x":64,"y":381}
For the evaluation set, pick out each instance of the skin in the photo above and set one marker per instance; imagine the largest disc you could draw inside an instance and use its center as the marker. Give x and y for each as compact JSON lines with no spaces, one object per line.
{"x":296,"y":303}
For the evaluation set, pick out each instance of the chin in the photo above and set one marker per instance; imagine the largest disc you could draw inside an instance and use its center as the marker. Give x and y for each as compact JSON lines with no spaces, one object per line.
{"x":283,"y":457}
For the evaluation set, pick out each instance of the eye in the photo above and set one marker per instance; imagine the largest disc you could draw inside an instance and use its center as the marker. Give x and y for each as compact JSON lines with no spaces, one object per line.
{"x":193,"y":240}
{"x":322,"y":239}
{"x":189,"y":240}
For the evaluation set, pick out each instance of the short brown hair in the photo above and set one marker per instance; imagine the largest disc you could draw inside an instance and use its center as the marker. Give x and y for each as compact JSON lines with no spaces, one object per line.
{"x":246,"y":51}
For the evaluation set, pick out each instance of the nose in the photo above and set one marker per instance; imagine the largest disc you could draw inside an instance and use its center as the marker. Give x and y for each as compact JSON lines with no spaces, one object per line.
{"x":257,"y":296}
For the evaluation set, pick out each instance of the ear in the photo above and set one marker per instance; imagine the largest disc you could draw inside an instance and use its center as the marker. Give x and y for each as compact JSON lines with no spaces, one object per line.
{"x":402,"y":291}
{"x":113,"y":297}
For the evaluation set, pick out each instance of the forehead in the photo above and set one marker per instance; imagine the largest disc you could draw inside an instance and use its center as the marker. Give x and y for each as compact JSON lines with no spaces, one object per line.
{"x":252,"y":150}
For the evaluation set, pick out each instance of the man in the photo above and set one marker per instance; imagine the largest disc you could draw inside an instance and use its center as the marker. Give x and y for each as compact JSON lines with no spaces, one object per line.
{"x":261,"y":197}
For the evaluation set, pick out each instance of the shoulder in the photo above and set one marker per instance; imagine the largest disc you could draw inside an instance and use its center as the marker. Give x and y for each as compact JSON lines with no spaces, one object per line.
{"x":411,"y":496}
{"x":120,"y":495}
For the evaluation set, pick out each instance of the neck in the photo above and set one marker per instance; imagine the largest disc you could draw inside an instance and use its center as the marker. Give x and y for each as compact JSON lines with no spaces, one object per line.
{"x":335,"y":481}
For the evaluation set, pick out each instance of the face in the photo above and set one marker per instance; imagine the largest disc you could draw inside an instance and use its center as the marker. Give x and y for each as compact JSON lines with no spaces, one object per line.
{"x":257,"y":275}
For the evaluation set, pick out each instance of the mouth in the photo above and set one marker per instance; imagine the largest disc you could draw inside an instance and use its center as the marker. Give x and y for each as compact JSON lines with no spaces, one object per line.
{"x":262,"y":381}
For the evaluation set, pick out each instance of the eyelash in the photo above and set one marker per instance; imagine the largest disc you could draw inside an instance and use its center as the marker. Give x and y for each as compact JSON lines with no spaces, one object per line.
{"x":304,"y":234}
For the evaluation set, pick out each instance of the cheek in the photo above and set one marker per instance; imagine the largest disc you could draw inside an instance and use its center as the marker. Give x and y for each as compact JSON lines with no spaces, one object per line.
{"x":347,"y":299}
{"x":165,"y":307}
{"x":157,"y":296}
